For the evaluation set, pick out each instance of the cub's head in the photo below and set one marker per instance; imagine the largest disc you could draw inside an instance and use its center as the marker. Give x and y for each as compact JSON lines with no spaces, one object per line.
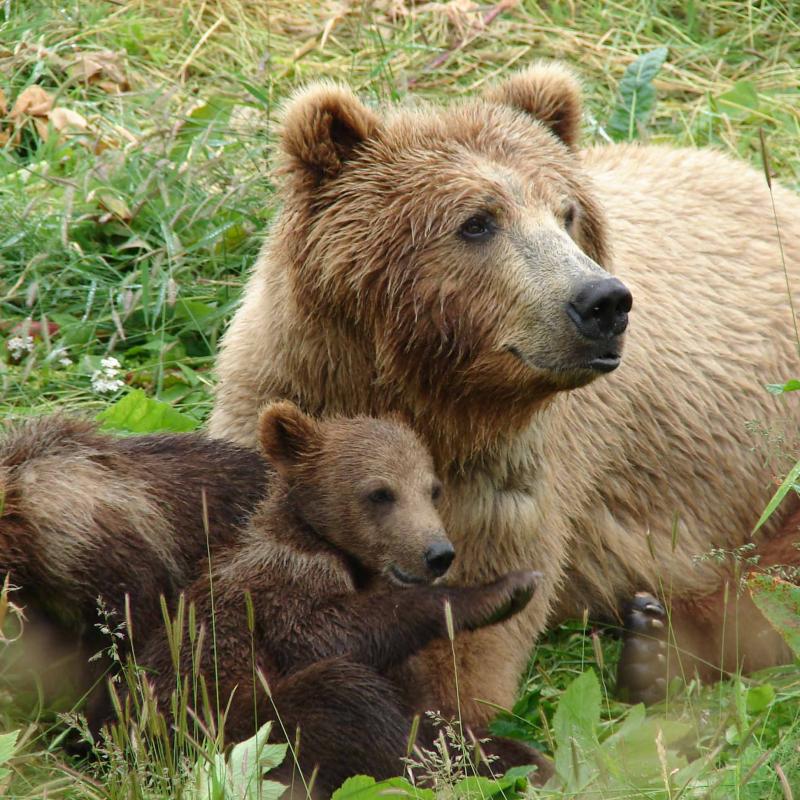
{"x":460,"y":246}
{"x":366,"y":485}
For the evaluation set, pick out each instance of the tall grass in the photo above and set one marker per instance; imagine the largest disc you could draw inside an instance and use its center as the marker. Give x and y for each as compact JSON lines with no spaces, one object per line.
{"x":130,"y":234}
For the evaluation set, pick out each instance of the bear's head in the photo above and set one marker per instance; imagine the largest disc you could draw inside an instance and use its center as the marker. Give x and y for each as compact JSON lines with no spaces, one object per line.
{"x":365,"y":485}
{"x":461,"y":247}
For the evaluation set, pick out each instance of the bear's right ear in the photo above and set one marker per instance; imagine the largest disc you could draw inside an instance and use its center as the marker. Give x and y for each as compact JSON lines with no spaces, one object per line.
{"x":548,"y":92}
{"x":288,"y":436}
{"x":322,"y":126}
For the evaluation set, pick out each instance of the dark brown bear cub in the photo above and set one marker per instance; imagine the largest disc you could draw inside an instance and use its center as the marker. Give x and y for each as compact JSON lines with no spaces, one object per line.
{"x":86,"y":515}
{"x":338,"y":562}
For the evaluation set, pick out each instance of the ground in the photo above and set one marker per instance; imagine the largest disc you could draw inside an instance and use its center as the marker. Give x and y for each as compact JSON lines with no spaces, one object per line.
{"x":135,"y":189}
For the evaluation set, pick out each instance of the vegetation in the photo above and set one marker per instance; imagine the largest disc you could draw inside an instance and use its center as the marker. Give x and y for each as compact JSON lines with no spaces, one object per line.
{"x":135,"y":142}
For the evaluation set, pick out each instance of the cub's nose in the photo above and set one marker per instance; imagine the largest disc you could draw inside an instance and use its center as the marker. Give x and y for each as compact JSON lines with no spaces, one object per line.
{"x":600,"y":308}
{"x":439,"y":557}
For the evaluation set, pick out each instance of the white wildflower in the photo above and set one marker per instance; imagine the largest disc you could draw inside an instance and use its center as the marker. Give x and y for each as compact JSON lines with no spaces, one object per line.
{"x":101,"y":385}
{"x":65,"y":361}
{"x":107,"y":380}
{"x":111,"y":363}
{"x":19,"y":345}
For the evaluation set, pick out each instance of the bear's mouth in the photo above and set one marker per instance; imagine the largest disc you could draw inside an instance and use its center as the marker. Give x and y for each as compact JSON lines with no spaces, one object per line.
{"x":607,"y":362}
{"x":403,"y":578}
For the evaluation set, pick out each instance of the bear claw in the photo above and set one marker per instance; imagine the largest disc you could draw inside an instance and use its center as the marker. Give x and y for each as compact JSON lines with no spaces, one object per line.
{"x":642,"y":669}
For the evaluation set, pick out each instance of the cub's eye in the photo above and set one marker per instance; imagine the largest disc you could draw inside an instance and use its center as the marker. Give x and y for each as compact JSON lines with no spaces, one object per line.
{"x":381,"y":497}
{"x":481,"y":226}
{"x":569,"y":216}
{"x":436,"y":492}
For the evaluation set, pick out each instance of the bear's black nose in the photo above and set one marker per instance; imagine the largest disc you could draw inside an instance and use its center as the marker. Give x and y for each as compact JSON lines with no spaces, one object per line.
{"x":439,"y":557}
{"x":600,"y":308}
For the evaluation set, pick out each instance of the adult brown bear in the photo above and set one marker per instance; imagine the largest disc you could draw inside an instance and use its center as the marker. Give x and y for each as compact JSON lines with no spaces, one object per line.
{"x":452,"y":263}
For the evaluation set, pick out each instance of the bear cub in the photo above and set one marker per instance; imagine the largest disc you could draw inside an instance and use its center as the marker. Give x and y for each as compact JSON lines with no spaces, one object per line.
{"x":337,"y":564}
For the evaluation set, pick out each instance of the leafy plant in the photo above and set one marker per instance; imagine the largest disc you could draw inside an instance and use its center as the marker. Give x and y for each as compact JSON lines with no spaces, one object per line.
{"x":642,"y":751}
{"x":138,"y":413}
{"x":637,"y":96}
{"x":779,"y":602}
{"x":241,"y":777}
{"x":8,"y":743}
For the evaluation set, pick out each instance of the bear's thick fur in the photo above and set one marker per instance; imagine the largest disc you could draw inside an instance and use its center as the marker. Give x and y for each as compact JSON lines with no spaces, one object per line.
{"x":426,"y":259}
{"x":84,"y":514}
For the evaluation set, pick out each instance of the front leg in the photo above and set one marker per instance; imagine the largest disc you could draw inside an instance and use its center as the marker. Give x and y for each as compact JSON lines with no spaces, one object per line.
{"x":384,"y":628}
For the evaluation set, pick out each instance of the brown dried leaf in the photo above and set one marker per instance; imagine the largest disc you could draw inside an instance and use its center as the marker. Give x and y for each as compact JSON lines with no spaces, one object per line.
{"x":31,"y":102}
{"x":67,"y":121}
{"x":3,"y":104}
{"x":103,"y":68}
{"x":115,"y":207}
{"x":42,"y":128}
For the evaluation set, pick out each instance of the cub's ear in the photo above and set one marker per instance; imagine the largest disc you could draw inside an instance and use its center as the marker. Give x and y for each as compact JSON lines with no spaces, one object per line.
{"x":322,"y":126}
{"x":288,"y":436}
{"x":550,"y":93}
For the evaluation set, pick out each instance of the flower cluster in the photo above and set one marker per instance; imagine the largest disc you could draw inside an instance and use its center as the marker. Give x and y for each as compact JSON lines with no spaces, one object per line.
{"x":106,"y":380}
{"x":18,"y":346}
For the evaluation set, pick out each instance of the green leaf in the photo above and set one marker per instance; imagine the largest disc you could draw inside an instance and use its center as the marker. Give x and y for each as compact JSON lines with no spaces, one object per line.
{"x":479,"y":788}
{"x":779,"y":602}
{"x":138,"y":413}
{"x":631,"y":754}
{"x":788,"y":483}
{"x":249,"y":760}
{"x":739,"y":101}
{"x":637,"y":96}
{"x":8,"y":741}
{"x":361,"y":787}
{"x":575,"y":727}
{"x":780,"y":388}
{"x":759,"y":698}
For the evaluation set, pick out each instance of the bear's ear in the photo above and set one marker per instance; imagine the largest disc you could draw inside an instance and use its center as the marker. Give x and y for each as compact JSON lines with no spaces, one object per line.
{"x":550,"y":93}
{"x":322,"y":126}
{"x":288,"y":436}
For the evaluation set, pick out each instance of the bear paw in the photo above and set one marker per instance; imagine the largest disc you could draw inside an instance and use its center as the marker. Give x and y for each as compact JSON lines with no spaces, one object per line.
{"x":642,"y":669}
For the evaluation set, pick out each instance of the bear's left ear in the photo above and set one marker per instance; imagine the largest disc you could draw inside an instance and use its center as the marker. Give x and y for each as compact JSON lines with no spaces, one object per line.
{"x":550,"y":93}
{"x":288,"y":436}
{"x":322,"y":126}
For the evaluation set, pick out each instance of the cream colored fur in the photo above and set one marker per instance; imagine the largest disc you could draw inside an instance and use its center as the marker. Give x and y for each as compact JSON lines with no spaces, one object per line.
{"x":589,"y":491}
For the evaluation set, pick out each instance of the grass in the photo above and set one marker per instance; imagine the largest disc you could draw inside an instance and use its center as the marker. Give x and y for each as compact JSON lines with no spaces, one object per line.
{"x":131,"y":236}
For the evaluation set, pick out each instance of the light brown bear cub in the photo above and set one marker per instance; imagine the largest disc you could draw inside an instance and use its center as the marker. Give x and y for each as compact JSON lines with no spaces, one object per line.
{"x":338,"y":562}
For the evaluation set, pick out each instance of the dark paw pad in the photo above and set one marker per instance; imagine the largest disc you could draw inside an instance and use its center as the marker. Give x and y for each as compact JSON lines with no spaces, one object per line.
{"x":642,"y":670}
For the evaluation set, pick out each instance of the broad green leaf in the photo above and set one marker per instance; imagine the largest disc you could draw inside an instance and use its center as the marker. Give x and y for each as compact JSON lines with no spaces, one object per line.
{"x":478,"y":788}
{"x":631,"y":754}
{"x":637,"y":96}
{"x":361,"y":787}
{"x":249,"y":760}
{"x":739,"y":101}
{"x":788,"y":483}
{"x":779,"y":602}
{"x":759,"y":698}
{"x":242,"y":776}
{"x":575,"y":727}
{"x":138,"y":413}
{"x":781,"y":388}
{"x":8,"y":741}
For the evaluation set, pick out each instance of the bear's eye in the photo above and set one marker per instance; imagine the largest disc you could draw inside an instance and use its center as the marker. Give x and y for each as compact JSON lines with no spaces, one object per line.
{"x":569,"y":216}
{"x":481,"y":226}
{"x":381,"y":497}
{"x":436,"y":492}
